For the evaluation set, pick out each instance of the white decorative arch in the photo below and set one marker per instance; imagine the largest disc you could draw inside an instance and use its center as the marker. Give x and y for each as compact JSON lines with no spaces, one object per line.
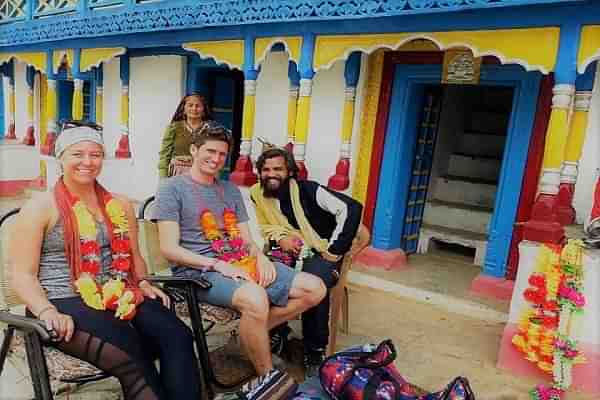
{"x":262,"y":47}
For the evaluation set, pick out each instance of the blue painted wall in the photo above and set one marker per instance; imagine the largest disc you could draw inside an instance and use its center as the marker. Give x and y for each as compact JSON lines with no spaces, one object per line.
{"x":406,"y":100}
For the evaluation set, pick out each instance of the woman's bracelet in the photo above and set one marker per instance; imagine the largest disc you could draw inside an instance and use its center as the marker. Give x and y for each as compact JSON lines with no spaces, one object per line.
{"x":43,"y":310}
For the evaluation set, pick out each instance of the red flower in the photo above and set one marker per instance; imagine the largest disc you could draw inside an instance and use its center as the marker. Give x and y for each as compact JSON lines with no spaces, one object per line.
{"x":120,"y":246}
{"x":89,"y":247}
{"x":90,"y":266}
{"x":537,"y":280}
{"x":121,"y":264}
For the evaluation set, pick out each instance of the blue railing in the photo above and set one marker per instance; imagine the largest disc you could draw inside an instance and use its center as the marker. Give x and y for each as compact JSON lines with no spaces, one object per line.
{"x":21,"y":20}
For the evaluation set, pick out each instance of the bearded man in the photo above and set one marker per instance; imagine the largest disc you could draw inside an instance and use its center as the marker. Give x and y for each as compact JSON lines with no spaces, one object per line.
{"x":314,"y":225}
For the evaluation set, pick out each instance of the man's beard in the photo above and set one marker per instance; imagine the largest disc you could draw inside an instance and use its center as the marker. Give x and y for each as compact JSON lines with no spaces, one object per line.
{"x":267,"y":191}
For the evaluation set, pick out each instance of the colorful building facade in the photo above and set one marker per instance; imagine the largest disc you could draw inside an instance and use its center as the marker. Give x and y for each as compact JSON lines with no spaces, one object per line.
{"x":470,"y":122}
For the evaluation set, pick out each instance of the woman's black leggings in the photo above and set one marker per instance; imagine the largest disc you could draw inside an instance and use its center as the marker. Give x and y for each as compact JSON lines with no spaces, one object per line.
{"x":127,"y":349}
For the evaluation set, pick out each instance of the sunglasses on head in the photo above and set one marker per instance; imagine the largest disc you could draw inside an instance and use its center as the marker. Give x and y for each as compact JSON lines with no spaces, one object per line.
{"x":71,"y":123}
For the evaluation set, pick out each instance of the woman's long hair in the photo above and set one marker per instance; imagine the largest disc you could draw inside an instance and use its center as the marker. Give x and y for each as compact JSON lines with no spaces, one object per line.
{"x":179,"y":112}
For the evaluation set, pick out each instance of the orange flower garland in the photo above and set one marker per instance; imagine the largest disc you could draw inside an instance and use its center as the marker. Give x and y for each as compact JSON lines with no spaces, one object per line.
{"x":228,"y":244}
{"x":113,"y":293}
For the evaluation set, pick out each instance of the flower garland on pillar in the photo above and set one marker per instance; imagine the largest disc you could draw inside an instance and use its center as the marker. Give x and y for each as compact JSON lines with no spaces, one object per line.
{"x":550,"y":323}
{"x":228,"y":243}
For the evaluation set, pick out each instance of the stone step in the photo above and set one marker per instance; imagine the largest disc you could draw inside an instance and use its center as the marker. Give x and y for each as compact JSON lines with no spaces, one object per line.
{"x":454,"y":236}
{"x":457,"y":216}
{"x":481,"y":145}
{"x":474,"y":166}
{"x":467,"y":191}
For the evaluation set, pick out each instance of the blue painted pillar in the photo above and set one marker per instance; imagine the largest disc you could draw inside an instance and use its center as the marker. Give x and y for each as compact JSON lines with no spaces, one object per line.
{"x":341,"y":179}
{"x":123,"y":150}
{"x":551,"y":209}
{"x":307,"y":73}
{"x":243,"y":173}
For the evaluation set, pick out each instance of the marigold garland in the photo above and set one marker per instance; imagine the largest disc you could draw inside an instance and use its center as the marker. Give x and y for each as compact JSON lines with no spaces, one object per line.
{"x":547,"y":326}
{"x":228,"y":244}
{"x":113,"y":293}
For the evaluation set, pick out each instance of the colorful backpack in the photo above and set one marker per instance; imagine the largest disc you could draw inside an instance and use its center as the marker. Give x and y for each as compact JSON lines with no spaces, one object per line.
{"x":368,"y":373}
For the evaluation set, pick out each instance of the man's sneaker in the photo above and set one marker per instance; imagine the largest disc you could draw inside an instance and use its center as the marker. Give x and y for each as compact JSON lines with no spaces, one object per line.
{"x":312,"y":361}
{"x":279,"y":340}
{"x":274,"y":385}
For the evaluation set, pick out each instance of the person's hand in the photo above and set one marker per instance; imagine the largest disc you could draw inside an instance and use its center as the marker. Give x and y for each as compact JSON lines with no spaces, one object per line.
{"x":231,"y":271}
{"x":266,"y":271}
{"x":153,"y":292}
{"x":58,"y":324}
{"x":291,"y":244}
{"x":330,"y":257}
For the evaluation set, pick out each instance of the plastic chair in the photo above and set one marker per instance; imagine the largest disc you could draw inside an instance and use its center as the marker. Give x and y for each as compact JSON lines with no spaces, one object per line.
{"x":339,"y":299}
{"x":46,"y":363}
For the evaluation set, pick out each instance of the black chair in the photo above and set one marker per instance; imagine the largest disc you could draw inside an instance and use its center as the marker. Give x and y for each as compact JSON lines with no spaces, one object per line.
{"x":202,"y":316}
{"x":63,"y":368}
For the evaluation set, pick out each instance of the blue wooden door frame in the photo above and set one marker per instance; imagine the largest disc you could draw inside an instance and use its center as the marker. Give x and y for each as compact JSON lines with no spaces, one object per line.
{"x":407,"y":92}
{"x":2,"y":119}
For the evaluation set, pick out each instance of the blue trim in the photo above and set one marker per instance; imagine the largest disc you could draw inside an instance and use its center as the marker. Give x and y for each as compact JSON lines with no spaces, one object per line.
{"x":49,"y":33}
{"x":293,"y":74}
{"x":99,"y":75}
{"x":92,"y":79}
{"x":399,"y":146}
{"x":49,"y":64}
{"x":10,"y":71}
{"x":305,"y":67}
{"x":177,"y":15}
{"x":76,"y":67}
{"x":352,"y":69}
{"x":585,"y":81}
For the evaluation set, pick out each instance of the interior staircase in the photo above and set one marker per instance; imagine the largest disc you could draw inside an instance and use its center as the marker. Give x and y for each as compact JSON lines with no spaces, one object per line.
{"x":462,"y":192}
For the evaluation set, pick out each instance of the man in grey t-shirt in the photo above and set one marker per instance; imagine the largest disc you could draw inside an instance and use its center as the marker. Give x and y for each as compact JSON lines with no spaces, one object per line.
{"x":278,"y":295}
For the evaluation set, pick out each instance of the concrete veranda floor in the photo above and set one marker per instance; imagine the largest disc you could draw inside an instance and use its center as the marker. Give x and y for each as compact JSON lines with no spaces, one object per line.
{"x":439,"y":329}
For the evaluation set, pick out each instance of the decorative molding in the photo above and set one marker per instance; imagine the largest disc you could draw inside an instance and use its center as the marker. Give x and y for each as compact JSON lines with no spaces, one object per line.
{"x":246,"y":147}
{"x":299,"y":151}
{"x":535,"y":49}
{"x":262,"y":46}
{"x":589,"y":47}
{"x":305,"y":88}
{"x":36,"y":60}
{"x":166,"y":16}
{"x":583,"y":101}
{"x":563,"y":96}
{"x":350,"y":93}
{"x":229,"y":52}
{"x":367,"y":126}
{"x":58,"y":56}
{"x":550,"y":181}
{"x":569,"y":171}
{"x":250,"y":87}
{"x":94,"y":57}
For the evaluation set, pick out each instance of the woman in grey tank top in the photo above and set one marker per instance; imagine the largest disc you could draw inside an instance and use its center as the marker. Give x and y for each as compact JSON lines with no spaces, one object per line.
{"x":83,"y":248}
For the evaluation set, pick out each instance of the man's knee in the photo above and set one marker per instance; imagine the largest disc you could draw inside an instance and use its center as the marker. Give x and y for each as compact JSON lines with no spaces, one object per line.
{"x":313,"y":287}
{"x":326,"y":270}
{"x":251,"y":300}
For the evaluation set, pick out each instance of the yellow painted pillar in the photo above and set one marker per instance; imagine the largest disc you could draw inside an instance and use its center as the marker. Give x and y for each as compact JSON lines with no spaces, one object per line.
{"x":123,"y":147}
{"x":302,"y":125}
{"x":11,"y":107}
{"x":78,"y":99}
{"x":556,"y":138}
{"x":123,"y":150}
{"x":572,"y":154}
{"x":341,"y":179}
{"x":99,"y":104}
{"x":243,"y":173}
{"x":52,"y":115}
{"x":292,"y":111}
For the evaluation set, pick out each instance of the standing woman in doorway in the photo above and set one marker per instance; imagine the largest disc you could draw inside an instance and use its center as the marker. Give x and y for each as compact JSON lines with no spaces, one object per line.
{"x":174,"y":155}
